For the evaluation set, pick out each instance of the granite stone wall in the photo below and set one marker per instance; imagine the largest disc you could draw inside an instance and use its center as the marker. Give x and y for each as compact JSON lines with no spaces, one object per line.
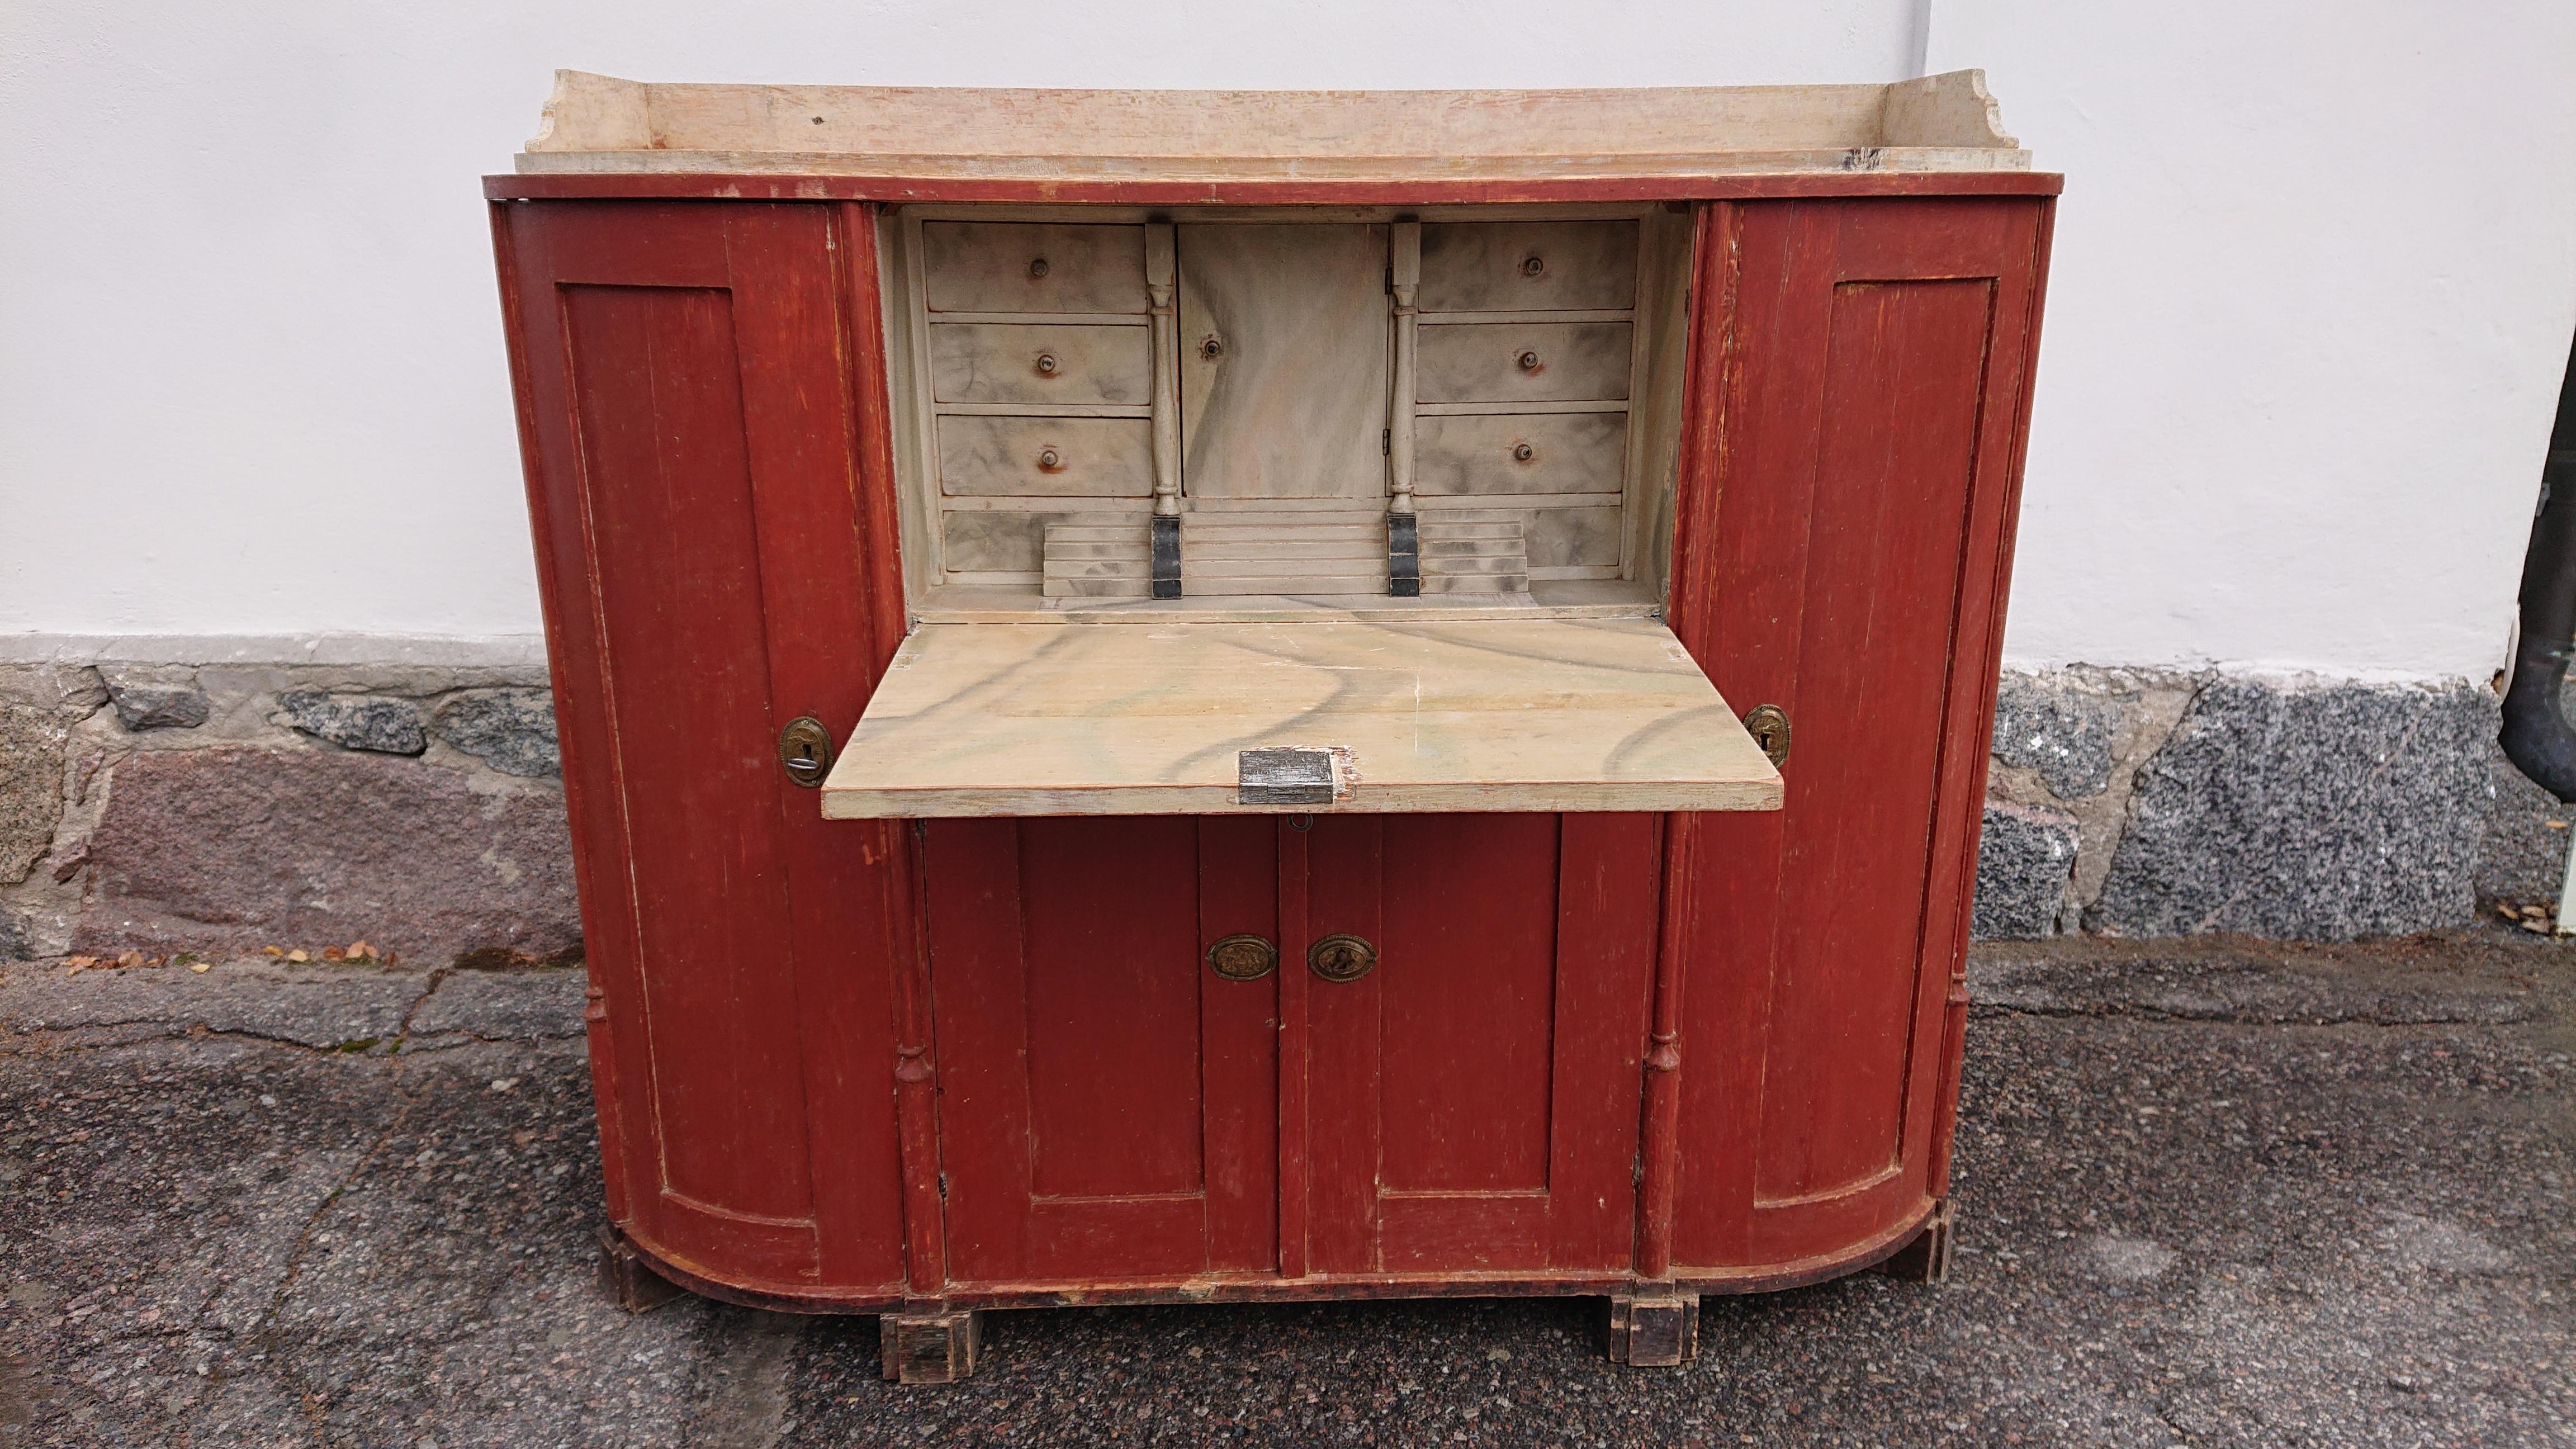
{"x":2292,"y":808}
{"x":306,"y":807}
{"x":419,"y":808}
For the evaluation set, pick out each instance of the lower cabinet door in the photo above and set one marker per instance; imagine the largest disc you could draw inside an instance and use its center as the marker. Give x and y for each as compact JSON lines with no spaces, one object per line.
{"x":1441,"y":1074}
{"x":1108,"y":1103}
{"x":1472,"y":1101}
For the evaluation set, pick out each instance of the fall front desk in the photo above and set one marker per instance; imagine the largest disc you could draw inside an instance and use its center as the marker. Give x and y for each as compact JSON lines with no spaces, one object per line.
{"x":1189,"y":696}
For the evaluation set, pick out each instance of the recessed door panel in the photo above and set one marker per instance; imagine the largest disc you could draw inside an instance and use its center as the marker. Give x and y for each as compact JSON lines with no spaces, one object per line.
{"x":1847,"y":567}
{"x":1475,"y":1096}
{"x":1284,"y":335}
{"x":1106,"y":1099}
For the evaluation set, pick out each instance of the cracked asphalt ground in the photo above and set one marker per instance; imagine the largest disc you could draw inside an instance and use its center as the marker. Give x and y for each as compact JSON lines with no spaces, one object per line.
{"x":2211,"y":1193}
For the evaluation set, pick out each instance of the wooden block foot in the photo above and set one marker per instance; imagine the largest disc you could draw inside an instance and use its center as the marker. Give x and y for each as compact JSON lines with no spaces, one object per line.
{"x":1927,"y":1258}
{"x":930,"y":1348}
{"x":1654,"y":1330}
{"x":637,"y":1288}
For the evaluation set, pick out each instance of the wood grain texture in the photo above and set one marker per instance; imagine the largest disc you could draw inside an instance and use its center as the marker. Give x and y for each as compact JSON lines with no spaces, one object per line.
{"x":1491,"y":714}
{"x":1058,"y":457}
{"x":1516,"y":362}
{"x":600,"y":122}
{"x":1487,"y":266}
{"x":975,"y":266}
{"x":1481,"y":453}
{"x":1292,"y":401}
{"x":1041,"y":365}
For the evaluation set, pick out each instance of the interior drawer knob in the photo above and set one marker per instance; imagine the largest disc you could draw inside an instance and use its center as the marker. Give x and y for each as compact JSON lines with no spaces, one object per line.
{"x":1523,"y":452}
{"x":1037,"y":267}
{"x":1532,"y":266}
{"x":1529,"y":362}
{"x":1340,"y":958}
{"x":1047,"y":365}
{"x":1050,"y":461}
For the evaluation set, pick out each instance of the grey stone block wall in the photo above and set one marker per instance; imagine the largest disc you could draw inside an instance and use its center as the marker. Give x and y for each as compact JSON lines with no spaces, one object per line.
{"x":223,"y":807}
{"x":418,"y":806}
{"x":2291,"y":808}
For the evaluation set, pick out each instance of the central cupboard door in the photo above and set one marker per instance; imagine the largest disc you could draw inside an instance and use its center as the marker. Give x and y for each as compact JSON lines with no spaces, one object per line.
{"x":1284,"y":334}
{"x":1472,"y":1101}
{"x":1111,"y":1108}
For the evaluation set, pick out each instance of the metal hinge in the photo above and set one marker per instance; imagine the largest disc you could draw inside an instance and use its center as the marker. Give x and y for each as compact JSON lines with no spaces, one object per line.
{"x":1386,"y":442}
{"x":943,"y":1187}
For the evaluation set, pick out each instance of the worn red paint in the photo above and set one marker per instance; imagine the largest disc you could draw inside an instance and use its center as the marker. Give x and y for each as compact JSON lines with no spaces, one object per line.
{"x":855,"y":1065}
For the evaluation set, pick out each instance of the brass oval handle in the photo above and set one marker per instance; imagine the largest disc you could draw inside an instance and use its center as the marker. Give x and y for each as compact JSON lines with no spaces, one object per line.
{"x":1047,"y":365}
{"x":1037,"y":267}
{"x":1341,"y":958}
{"x":1523,"y":452}
{"x":1050,"y":461}
{"x":1529,"y":362}
{"x":1243,"y":957}
{"x":1532,"y":266}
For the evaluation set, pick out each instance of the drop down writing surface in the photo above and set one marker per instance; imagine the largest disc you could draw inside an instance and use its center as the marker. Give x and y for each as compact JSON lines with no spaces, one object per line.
{"x":1144,"y":719}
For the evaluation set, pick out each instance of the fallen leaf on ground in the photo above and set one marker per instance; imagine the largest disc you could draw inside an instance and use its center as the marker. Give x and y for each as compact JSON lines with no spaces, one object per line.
{"x":201,"y":966}
{"x":297,"y":955}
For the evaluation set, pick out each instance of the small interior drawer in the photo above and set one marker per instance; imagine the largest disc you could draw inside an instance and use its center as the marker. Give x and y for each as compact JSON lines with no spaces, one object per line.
{"x":1515,"y":362}
{"x":1503,"y":453}
{"x":994,"y":266}
{"x":1041,"y":363}
{"x":1047,"y":457}
{"x":1527,"y":266}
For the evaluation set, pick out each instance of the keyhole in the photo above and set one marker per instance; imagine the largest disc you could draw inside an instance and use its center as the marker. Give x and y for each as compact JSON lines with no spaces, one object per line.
{"x":1212,"y":348}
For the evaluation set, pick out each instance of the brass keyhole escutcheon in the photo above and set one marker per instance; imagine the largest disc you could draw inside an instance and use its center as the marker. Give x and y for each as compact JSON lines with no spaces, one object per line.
{"x":1037,"y":267}
{"x":1529,"y":362}
{"x":1523,"y":452}
{"x":805,"y":749}
{"x":1243,"y":958}
{"x":1340,"y":958}
{"x":1769,"y":726}
{"x":1047,"y":365}
{"x":1532,"y":266}
{"x":1050,"y":461}
{"x":1212,"y":347}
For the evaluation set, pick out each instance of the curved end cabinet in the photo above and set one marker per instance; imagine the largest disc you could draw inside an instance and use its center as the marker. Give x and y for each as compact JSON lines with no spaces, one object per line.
{"x":1303,"y":845}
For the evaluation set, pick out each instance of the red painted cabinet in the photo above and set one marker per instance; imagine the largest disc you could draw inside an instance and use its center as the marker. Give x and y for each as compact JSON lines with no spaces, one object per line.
{"x":925,"y":1067}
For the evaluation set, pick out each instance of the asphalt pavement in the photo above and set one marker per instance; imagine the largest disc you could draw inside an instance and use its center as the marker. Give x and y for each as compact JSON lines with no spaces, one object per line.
{"x":2211,"y":1192}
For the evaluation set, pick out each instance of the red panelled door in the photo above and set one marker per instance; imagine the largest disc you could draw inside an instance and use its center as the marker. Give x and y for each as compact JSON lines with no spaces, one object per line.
{"x":688,"y":414}
{"x":1111,"y":1108}
{"x":1845,"y":562}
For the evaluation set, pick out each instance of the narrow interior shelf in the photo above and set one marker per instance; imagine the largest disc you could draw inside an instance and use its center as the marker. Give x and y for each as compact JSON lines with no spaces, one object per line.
{"x":1151,"y":718}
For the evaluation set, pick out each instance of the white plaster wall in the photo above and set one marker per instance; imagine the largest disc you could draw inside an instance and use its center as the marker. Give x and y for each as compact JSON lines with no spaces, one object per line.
{"x":2314,"y":283}
{"x":2313,"y":288}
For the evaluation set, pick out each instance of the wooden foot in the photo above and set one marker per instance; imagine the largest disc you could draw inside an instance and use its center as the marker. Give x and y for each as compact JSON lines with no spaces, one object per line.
{"x":1654,"y":1330}
{"x":930,"y":1348}
{"x":1927,"y":1258}
{"x":637,"y":1288}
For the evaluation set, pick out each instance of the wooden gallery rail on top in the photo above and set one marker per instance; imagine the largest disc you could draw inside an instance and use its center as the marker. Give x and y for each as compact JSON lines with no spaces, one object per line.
{"x":1221,"y":696}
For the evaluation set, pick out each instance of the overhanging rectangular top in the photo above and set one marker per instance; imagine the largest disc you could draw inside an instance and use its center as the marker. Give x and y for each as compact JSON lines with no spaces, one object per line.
{"x":602,"y":124}
{"x":1155,"y":719}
